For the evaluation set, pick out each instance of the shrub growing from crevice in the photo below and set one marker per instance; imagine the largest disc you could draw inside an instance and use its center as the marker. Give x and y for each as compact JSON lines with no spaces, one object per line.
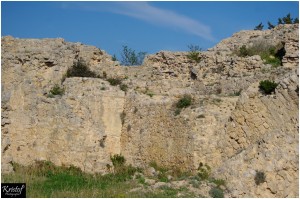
{"x":260,"y":177}
{"x":116,"y":82}
{"x":80,"y":69}
{"x":216,"y":192}
{"x":56,"y":90}
{"x":184,"y":102}
{"x":267,"y":86}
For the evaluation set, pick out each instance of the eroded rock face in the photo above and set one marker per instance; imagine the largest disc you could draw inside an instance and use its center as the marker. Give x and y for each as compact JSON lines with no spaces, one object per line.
{"x":81,"y":128}
{"x":263,"y":137}
{"x":231,"y":125}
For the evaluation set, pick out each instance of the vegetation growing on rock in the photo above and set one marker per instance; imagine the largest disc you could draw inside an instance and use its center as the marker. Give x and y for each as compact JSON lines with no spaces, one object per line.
{"x":56,"y":90}
{"x":80,"y":69}
{"x":267,"y":86}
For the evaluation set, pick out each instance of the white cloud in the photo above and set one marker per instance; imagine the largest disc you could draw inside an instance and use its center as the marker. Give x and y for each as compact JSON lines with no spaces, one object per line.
{"x":154,"y":15}
{"x":144,"y":11}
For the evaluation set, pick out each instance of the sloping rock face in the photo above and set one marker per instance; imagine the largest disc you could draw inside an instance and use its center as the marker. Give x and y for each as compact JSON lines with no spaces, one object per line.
{"x":81,"y":128}
{"x":263,"y":137}
{"x":231,"y":125}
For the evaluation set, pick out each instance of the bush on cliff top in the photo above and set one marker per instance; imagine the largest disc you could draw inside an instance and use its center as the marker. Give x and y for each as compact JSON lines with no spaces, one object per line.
{"x":271,"y":54}
{"x":131,"y":58}
{"x":194,"y":53}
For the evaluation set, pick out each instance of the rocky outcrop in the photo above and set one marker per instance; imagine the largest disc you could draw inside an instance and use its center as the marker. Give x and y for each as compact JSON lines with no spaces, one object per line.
{"x":231,"y":125}
{"x":262,"y":136}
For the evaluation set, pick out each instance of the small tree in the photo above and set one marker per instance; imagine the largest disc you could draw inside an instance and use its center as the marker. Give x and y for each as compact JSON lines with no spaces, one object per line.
{"x":287,"y":19}
{"x":114,"y":58}
{"x":270,"y":26}
{"x":259,"y":27}
{"x":131,"y":58}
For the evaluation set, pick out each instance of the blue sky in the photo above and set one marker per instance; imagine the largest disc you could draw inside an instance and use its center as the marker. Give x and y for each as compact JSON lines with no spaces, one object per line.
{"x":143,"y":26}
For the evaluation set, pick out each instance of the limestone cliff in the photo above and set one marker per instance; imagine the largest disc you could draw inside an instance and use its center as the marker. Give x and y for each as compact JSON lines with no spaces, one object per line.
{"x":231,"y":125}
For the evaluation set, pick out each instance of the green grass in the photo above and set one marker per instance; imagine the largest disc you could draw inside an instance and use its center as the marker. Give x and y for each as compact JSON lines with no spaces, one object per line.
{"x":46,"y":180}
{"x":269,"y":54}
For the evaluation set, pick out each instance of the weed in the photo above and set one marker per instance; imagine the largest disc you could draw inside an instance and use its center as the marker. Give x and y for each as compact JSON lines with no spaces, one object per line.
{"x":131,"y":58}
{"x":114,"y":81}
{"x":45,"y":180}
{"x":117,"y":160}
{"x":184,"y":102}
{"x":150,"y":94}
{"x":114,"y":58}
{"x":194,"y":53}
{"x":260,"y":177}
{"x":102,"y":88}
{"x":195,"y":183}
{"x":56,"y":90}
{"x":269,"y":53}
{"x":204,"y":171}
{"x":123,"y":87}
{"x":80,"y":69}
{"x":267,"y":86}
{"x":216,"y":193}
{"x":218,"y":182}
{"x":236,"y":93}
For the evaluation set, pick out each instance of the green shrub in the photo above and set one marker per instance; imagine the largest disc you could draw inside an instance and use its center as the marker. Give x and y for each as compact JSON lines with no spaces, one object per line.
{"x":218,"y":182}
{"x":177,"y":111}
{"x":56,"y":90}
{"x":236,"y":93}
{"x":150,"y":94}
{"x":114,"y":58}
{"x":184,"y":102}
{"x":260,"y":177}
{"x":131,"y":58}
{"x":204,"y":171}
{"x":259,"y":27}
{"x":114,"y":81}
{"x":80,"y":69}
{"x":194,"y":53}
{"x":117,"y":160}
{"x":243,"y":52}
{"x":123,"y":87}
{"x":270,"y":54}
{"x":216,"y":193}
{"x":267,"y":86}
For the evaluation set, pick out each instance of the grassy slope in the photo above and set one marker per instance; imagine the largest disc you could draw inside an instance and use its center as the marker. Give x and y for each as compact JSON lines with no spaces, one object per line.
{"x":46,"y":180}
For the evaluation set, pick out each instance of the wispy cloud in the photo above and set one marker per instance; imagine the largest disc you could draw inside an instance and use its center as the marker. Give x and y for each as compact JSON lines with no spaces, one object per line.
{"x":157,"y":16}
